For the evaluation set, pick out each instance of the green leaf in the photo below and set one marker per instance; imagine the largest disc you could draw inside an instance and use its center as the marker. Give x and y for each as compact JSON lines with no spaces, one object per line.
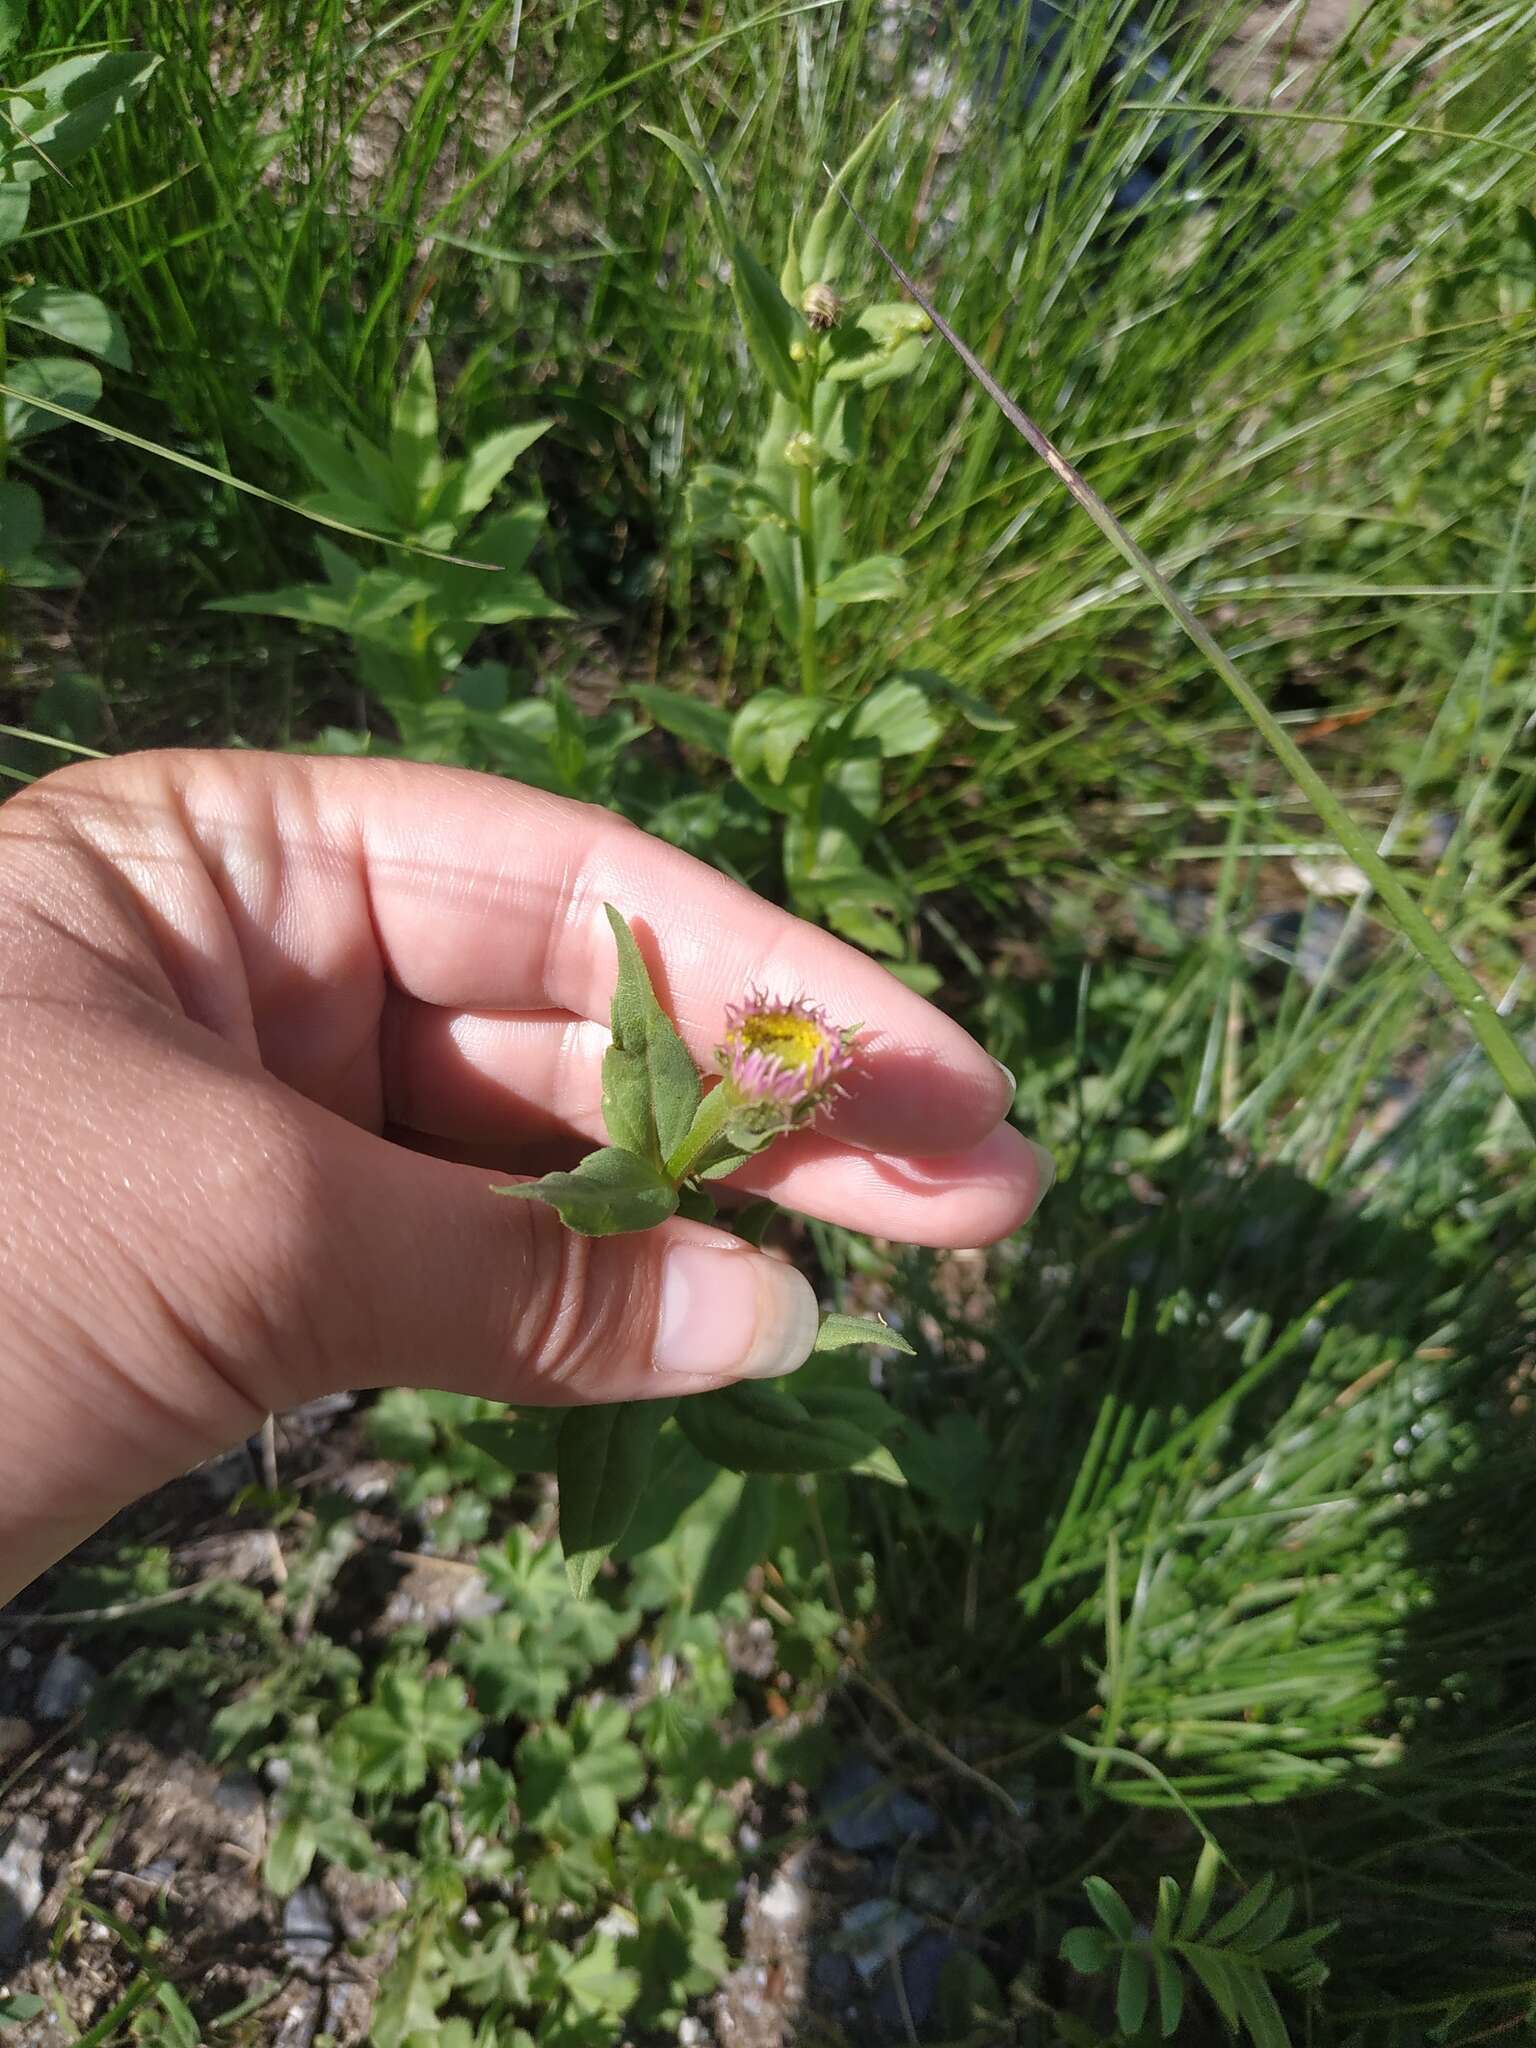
{"x":413,"y":445}
{"x":1110,"y":1907}
{"x":740,"y":1542}
{"x":62,"y":379}
{"x":13,"y":23}
{"x":1259,"y":2012}
{"x":898,"y":717}
{"x":290,"y":1855}
{"x":773,"y":550}
{"x":328,"y":459}
{"x":754,"y":1428}
{"x":23,"y":2005}
{"x":76,"y":318}
{"x":21,"y":523}
{"x":410,"y":1724}
{"x":1170,"y":1994}
{"x":473,"y":483}
{"x":974,"y":710}
{"x":837,"y":1333}
{"x":766,"y":735}
{"x":1168,"y":1896}
{"x":576,"y":1777}
{"x":1218,"y":1977}
{"x":873,"y":581}
{"x":1201,"y":1891}
{"x":1088,"y":1950}
{"x":1133,"y":1993}
{"x":609,"y":1192}
{"x":823,"y":252}
{"x":68,"y":108}
{"x":1237,"y":1917}
{"x":650,"y":1083}
{"x":768,"y":320}
{"x":703,"y":725}
{"x":604,"y":1462}
{"x":15,"y":202}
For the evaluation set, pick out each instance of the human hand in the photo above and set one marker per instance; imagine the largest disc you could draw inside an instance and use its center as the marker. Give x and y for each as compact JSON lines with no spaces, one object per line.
{"x":269,"y":1027}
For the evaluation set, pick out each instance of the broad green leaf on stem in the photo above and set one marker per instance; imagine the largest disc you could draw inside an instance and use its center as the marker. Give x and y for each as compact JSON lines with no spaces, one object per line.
{"x":837,"y":1333}
{"x":1133,"y":1992}
{"x":753,"y":1428}
{"x":64,"y":380}
{"x":329,"y":459}
{"x":893,"y":364}
{"x":15,"y":199}
{"x":609,"y":1192}
{"x":69,"y":107}
{"x":766,"y":735}
{"x":472,"y":483}
{"x":77,"y":318}
{"x":703,"y":725}
{"x":1110,"y":1907}
{"x":768,"y":320}
{"x":974,"y":710}
{"x":875,"y":580}
{"x":740,"y":1542}
{"x":824,"y":248}
{"x":899,"y":717}
{"x":1087,"y":1949}
{"x":773,"y":550}
{"x":1170,"y":1994}
{"x":312,"y":604}
{"x":650,"y":1083}
{"x":413,"y":445}
{"x":604,"y":1462}
{"x":21,"y":524}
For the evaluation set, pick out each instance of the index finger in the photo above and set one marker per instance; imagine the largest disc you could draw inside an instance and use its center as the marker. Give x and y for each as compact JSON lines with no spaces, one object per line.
{"x":512,"y":917}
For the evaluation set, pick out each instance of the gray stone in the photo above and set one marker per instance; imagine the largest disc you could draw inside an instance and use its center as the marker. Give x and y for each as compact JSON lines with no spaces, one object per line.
{"x":21,"y":1881}
{"x":64,"y":1687}
{"x":309,"y":1932}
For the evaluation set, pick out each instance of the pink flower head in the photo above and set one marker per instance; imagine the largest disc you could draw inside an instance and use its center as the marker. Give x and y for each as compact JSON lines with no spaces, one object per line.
{"x":783,"y":1056}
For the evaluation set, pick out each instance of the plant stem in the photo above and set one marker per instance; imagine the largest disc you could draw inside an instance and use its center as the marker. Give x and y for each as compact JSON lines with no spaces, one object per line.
{"x":709,"y":1120}
{"x":805,"y":514}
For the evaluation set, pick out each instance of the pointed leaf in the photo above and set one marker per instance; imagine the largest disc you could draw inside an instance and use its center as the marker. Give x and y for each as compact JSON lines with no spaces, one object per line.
{"x":609,"y":1192}
{"x":64,"y":380}
{"x":755,"y":1428}
{"x":875,"y":580}
{"x":899,"y":718}
{"x":1088,"y":1950}
{"x":1167,"y":1909}
{"x":327,"y":457}
{"x":838,"y":1332}
{"x":703,"y":725}
{"x":1133,"y":1993}
{"x":474,"y":482}
{"x":650,"y":1083}
{"x":823,"y":252}
{"x":773,"y":550}
{"x":69,"y":107}
{"x":1236,"y":1918}
{"x":413,"y":431}
{"x":76,"y":318}
{"x":1110,"y":1907}
{"x":1170,"y":1994}
{"x":1201,"y":1891}
{"x":1215,"y":1973}
{"x":604,"y":1462}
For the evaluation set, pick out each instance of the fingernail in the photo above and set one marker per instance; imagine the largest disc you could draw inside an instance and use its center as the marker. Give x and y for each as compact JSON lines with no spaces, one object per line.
{"x":1013,"y":1086}
{"x":733,"y":1315}
{"x":1045,"y":1167}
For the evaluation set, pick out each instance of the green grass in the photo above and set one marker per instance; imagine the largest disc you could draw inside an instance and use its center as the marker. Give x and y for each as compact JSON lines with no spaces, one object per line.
{"x":1252,"y":1513}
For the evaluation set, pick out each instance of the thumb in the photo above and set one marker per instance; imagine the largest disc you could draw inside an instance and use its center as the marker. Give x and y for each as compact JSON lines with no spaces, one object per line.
{"x":422,"y":1277}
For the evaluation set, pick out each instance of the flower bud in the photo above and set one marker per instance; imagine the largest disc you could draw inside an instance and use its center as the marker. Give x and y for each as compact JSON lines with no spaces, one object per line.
{"x":821,"y":307}
{"x":781,"y":1061}
{"x":804,"y":451}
